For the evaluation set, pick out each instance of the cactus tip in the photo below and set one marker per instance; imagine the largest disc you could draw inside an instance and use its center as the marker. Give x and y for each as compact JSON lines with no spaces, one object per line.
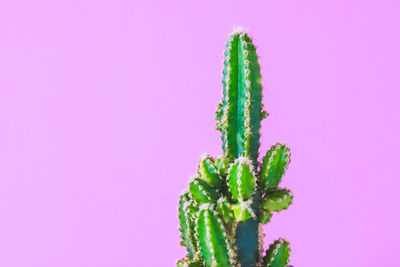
{"x":204,"y":156}
{"x":244,"y":160}
{"x":192,"y":178}
{"x":221,"y":200}
{"x":185,"y":191}
{"x":205,"y":206}
{"x":238,"y":30}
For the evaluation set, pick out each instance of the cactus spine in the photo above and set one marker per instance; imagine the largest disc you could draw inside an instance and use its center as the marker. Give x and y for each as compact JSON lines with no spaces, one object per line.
{"x":232,"y":196}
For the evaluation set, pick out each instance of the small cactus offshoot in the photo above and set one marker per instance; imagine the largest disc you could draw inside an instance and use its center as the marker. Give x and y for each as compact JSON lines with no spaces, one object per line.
{"x":232,"y":196}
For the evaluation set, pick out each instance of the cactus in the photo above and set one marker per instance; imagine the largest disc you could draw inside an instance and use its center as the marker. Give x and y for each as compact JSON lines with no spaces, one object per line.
{"x":232,"y":196}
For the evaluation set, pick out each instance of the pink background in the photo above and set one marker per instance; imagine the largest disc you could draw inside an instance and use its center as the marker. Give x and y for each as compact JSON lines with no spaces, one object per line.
{"x":106,"y":106}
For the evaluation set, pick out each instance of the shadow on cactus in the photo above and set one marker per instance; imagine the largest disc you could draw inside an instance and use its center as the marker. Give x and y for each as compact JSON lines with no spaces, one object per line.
{"x":232,"y":196}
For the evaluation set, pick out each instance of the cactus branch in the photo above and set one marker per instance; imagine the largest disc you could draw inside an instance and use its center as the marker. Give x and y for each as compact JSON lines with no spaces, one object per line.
{"x":277,"y":200}
{"x":278,"y":254}
{"x":214,"y":247}
{"x":187,"y":225}
{"x":241,"y":179}
{"x":208,"y":171}
{"x":274,"y":166}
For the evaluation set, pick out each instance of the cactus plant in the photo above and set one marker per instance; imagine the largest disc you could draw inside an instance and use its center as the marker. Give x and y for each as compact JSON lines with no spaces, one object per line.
{"x":232,"y":196}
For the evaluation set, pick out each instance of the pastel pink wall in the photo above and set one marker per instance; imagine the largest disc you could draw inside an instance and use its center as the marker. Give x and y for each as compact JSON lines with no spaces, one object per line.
{"x":105,"y":107}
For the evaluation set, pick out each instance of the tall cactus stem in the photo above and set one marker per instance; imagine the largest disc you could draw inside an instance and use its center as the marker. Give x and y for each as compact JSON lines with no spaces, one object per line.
{"x":240,"y":112}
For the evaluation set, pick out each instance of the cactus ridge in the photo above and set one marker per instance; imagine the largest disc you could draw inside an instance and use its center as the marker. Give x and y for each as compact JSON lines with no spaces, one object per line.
{"x":222,"y":214}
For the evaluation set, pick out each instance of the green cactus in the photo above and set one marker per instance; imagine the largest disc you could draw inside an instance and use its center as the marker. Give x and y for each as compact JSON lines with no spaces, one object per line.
{"x":232,"y":196}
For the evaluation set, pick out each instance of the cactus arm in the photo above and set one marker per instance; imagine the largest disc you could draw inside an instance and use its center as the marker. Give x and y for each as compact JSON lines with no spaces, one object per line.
{"x":274,"y":166}
{"x":184,"y":223}
{"x":202,"y":192}
{"x":214,"y":247}
{"x":187,"y":225}
{"x":277,"y":200}
{"x":208,"y":171}
{"x":278,"y":254}
{"x":194,"y":239}
{"x":241,"y":179}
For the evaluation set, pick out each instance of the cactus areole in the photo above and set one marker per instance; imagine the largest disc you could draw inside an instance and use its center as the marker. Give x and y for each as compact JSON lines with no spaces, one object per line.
{"x":233,"y":195}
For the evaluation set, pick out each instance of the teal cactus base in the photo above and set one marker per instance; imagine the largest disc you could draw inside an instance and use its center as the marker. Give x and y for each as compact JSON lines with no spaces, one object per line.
{"x":232,"y":196}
